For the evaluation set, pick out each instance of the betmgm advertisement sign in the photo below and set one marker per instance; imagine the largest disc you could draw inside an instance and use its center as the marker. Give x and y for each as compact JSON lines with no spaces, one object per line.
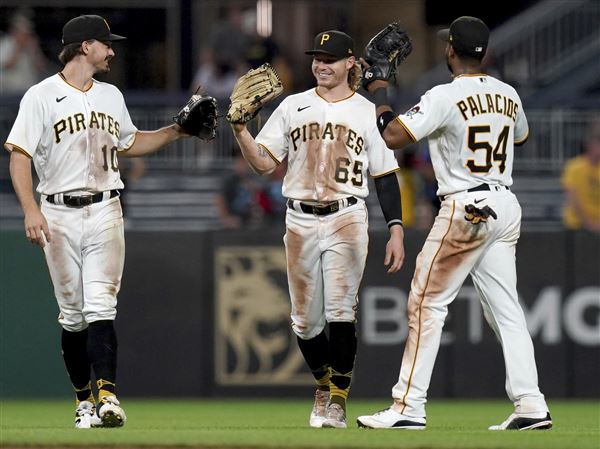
{"x":254,"y":344}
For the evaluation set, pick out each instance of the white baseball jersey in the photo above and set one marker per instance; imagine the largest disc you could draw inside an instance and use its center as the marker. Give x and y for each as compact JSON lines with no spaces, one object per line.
{"x":472,"y":124}
{"x":72,"y":135}
{"x":329,"y":146}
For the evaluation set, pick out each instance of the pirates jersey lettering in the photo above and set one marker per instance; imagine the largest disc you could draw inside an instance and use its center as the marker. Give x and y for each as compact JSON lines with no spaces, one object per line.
{"x":76,"y":123}
{"x":330,"y":131}
{"x":329,"y":146}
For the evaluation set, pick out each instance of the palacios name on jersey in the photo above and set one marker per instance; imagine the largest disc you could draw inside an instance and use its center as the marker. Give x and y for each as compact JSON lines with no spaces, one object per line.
{"x":314,"y":131}
{"x":489,"y":104}
{"x":76,"y":122}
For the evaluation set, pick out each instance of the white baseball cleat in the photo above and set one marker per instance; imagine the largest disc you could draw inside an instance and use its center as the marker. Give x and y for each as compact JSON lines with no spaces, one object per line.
{"x":111,"y":414}
{"x":525,"y":421}
{"x":317,"y":414}
{"x":85,"y":416}
{"x":335,"y":417}
{"x":391,"y":419}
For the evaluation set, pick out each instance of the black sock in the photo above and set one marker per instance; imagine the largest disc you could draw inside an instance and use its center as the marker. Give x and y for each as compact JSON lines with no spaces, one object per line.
{"x":102,"y":350}
{"x":75,"y":355}
{"x":316,"y":353}
{"x":342,"y":347}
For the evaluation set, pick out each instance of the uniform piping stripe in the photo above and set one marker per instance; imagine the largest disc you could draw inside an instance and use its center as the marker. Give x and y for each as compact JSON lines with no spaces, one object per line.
{"x":269,"y":153}
{"x":336,"y":101}
{"x":412,"y":369}
{"x":75,"y":87}
{"x":132,"y":142}
{"x":469,"y":75}
{"x":16,"y":148}
{"x":410,"y":134}
{"x":522,"y":141}
{"x":380,"y":175}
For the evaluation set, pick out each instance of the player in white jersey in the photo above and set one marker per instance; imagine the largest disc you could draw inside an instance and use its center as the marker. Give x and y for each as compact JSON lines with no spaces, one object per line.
{"x":472,"y":125}
{"x":72,"y":127}
{"x":329,"y":137}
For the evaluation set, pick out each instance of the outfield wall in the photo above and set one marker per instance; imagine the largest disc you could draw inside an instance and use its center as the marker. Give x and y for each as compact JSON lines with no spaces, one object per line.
{"x":206,"y":314}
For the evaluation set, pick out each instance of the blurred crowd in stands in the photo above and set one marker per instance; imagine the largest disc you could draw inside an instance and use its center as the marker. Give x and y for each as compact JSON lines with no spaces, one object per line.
{"x":233,"y":47}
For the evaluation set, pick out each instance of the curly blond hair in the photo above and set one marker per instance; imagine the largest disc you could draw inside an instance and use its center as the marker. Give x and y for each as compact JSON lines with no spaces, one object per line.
{"x":354,"y":76}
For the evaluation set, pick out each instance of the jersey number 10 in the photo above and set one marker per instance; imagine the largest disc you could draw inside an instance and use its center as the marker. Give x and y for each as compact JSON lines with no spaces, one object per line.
{"x":110,"y":157}
{"x":498,"y":153}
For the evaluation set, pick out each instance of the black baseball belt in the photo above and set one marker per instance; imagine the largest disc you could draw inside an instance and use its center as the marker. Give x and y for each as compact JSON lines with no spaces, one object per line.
{"x":480,"y":188}
{"x":80,"y":200}
{"x":322,"y":209}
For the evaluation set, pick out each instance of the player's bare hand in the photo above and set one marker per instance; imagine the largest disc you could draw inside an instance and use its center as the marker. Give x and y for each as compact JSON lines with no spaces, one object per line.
{"x":36,"y":227}
{"x":394,"y":250}
{"x":238,"y":127}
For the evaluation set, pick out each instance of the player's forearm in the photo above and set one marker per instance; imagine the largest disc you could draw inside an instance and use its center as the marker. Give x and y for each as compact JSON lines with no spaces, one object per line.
{"x":20,"y":174}
{"x":148,"y":142}
{"x":260,"y":161}
{"x":393,"y":133}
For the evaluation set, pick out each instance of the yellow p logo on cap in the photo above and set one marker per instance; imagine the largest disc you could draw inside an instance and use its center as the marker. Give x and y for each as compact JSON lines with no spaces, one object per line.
{"x":324,"y":38}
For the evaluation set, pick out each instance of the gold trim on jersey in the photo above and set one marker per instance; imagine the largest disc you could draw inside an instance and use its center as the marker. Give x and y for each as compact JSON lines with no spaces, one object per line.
{"x":523,"y":140}
{"x":379,"y":175}
{"x":410,"y":134}
{"x":336,"y":101}
{"x":131,"y":144}
{"x":468,"y":75}
{"x":17,"y":148}
{"x":75,"y":87}
{"x":412,"y":369}
{"x":277,"y":161}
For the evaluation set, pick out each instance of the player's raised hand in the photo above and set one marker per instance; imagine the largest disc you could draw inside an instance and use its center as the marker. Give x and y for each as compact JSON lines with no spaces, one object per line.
{"x":394,"y":250}
{"x":36,"y":227}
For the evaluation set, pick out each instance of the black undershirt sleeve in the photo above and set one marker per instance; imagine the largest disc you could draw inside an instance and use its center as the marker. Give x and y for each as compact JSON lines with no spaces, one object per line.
{"x":388,"y":193}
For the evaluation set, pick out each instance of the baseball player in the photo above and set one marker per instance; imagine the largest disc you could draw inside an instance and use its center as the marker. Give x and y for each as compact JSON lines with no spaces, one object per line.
{"x":330,"y":140}
{"x":472,"y":125}
{"x":73,"y":127}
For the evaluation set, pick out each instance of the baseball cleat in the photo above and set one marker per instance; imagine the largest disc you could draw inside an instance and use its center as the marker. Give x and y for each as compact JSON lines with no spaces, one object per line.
{"x":111,"y":414}
{"x":85,"y":416}
{"x":391,"y":419}
{"x":529,"y":421}
{"x":317,"y":415}
{"x":335,"y":417}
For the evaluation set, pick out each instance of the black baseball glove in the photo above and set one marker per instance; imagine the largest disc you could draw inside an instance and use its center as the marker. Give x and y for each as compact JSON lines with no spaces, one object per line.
{"x":384,"y":53}
{"x":476,"y":215}
{"x":199,"y":117}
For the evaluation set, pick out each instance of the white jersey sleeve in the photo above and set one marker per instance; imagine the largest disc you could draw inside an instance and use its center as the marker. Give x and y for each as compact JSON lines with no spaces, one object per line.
{"x":428,"y":116}
{"x":521,"y":126}
{"x":127,"y":129}
{"x":27,"y":130}
{"x":274,"y":135}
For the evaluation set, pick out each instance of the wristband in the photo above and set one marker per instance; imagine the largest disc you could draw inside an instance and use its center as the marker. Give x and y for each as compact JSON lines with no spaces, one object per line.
{"x":394,"y":222}
{"x":380,"y":97}
{"x":384,"y":119}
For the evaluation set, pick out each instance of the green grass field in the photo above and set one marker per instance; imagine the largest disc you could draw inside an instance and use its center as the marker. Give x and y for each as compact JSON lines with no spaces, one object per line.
{"x":263,"y":423}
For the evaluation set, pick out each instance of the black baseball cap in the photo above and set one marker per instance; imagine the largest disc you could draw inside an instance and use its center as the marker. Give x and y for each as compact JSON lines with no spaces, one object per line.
{"x":333,"y":43}
{"x":469,"y":35}
{"x":86,"y":28}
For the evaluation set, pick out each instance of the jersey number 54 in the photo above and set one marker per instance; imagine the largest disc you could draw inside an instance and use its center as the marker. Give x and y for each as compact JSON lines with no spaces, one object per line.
{"x":497,"y":154}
